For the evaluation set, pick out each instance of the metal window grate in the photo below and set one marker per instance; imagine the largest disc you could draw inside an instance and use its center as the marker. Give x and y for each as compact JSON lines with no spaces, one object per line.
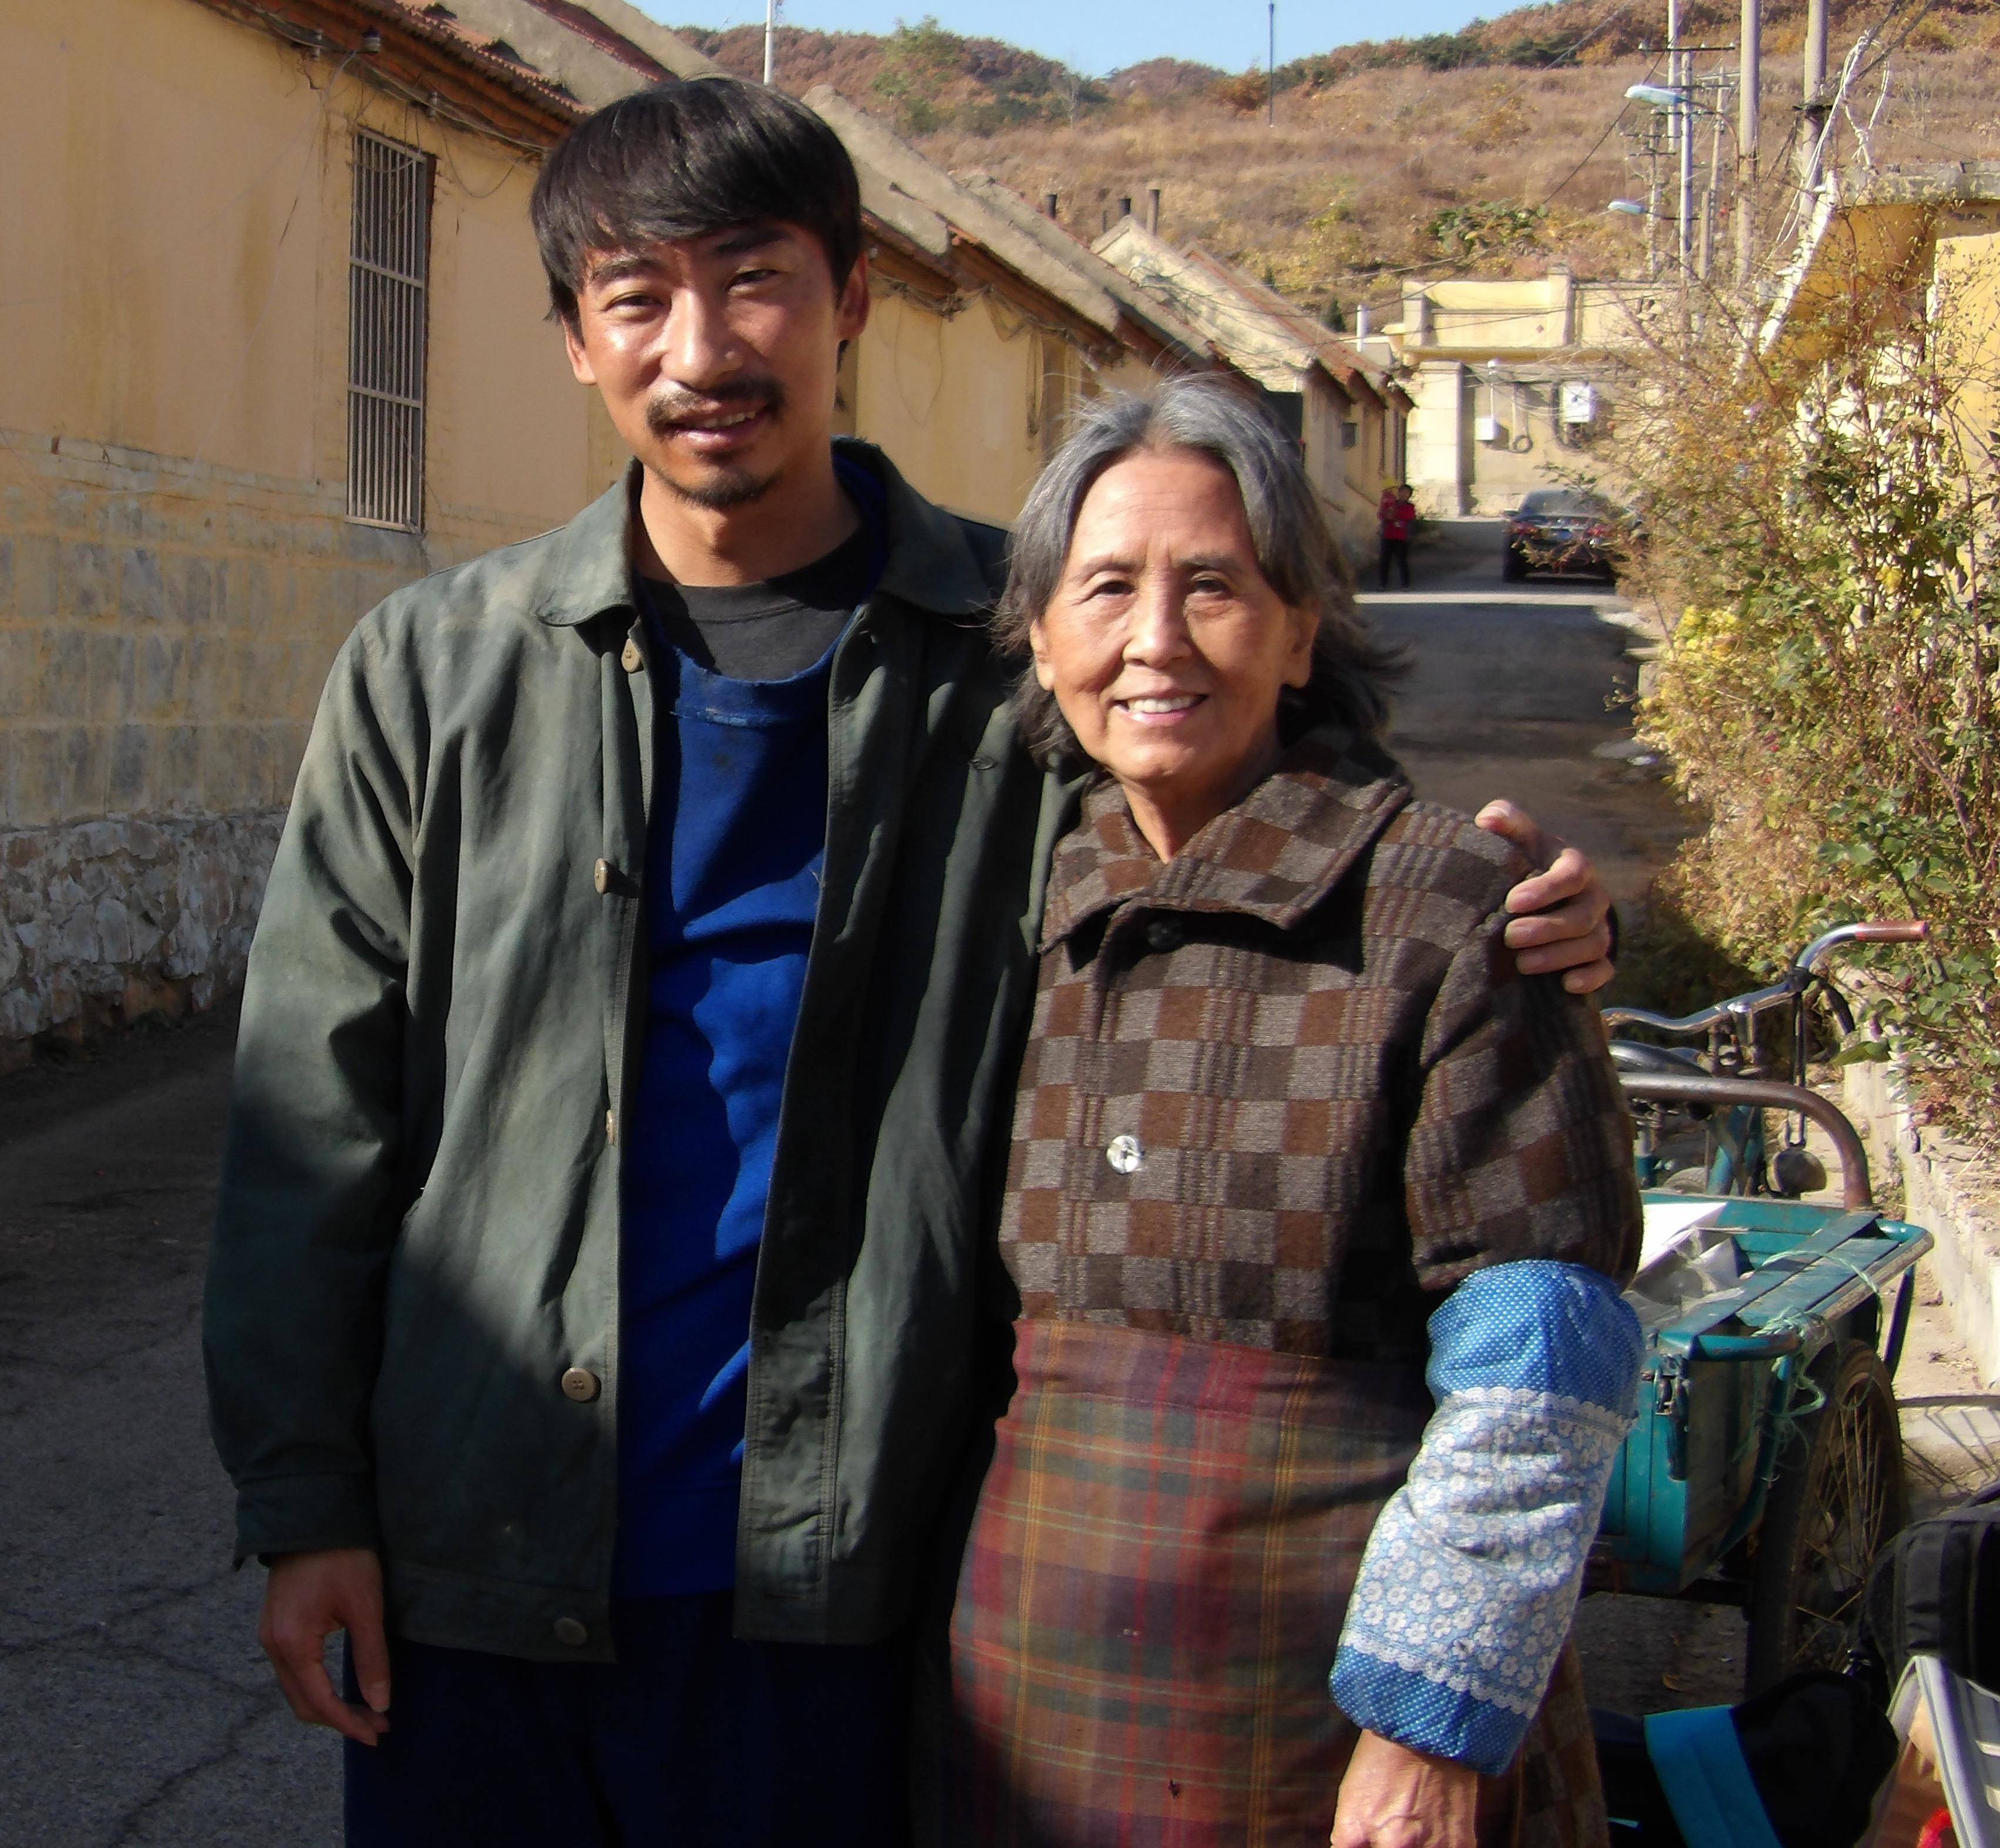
{"x":388,"y":297}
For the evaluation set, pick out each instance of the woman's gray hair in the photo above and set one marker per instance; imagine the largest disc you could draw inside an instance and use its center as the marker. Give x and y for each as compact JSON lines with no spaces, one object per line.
{"x":1209,"y":416}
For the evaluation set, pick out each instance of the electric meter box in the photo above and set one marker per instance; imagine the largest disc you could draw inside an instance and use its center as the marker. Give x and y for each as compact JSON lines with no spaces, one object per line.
{"x":1579,"y":401}
{"x":1486,"y":430}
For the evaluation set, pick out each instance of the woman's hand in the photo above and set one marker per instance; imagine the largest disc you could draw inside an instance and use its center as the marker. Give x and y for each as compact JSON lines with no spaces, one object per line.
{"x":1394,"y":1798}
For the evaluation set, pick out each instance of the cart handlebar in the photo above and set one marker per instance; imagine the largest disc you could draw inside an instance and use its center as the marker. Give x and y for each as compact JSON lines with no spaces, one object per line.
{"x":1913,"y":930}
{"x":1788,"y":987}
{"x":1660,"y":1087}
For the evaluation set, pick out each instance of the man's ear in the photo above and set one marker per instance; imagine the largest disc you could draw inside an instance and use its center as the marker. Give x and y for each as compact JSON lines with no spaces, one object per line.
{"x":851,"y":314}
{"x":579,"y":359}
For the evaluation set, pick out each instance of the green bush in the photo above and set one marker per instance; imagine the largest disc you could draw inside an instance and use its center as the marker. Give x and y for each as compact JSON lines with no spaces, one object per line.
{"x":1826,"y":522}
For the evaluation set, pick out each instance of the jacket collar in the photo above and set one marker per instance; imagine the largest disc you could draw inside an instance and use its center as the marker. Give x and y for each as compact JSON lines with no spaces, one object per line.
{"x":930,"y":564}
{"x":1275,"y":855}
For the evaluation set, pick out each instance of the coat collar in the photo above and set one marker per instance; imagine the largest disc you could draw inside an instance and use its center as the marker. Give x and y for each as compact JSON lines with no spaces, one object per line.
{"x":931,"y":563}
{"x":1275,"y":855}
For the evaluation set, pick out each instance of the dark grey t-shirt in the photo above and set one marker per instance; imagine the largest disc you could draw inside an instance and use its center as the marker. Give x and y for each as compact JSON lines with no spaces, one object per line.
{"x":768,"y":631}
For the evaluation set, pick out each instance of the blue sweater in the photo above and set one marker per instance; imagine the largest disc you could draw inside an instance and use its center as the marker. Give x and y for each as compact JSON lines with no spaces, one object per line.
{"x":732,"y":879}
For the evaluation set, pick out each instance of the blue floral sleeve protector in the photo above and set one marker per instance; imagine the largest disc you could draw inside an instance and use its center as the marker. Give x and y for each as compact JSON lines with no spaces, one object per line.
{"x":1470,"y":1578}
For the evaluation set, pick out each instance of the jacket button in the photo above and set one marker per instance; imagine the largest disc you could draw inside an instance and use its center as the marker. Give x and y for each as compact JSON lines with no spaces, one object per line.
{"x":570,"y":1634}
{"x":600,"y":876}
{"x":580,"y":1383}
{"x":631,"y":660}
{"x":1165,"y":933}
{"x":1125,"y":1155}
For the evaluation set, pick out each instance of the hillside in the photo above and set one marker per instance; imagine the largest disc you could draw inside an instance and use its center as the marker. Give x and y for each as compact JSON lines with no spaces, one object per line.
{"x":1495,"y":148}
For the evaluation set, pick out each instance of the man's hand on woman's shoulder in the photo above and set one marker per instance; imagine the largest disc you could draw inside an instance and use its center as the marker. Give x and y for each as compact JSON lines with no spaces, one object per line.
{"x":1562,"y":916}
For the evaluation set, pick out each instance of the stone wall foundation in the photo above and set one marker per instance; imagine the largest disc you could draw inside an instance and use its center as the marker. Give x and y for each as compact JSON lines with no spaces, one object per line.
{"x":103,"y":921}
{"x":1940,"y":1182}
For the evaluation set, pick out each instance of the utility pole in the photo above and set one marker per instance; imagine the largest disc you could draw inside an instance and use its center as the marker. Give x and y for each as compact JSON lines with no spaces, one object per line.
{"x":1271,"y":64}
{"x":1673,"y":70}
{"x":1652,"y":211}
{"x":1749,"y":104}
{"x":1708,"y":203}
{"x":1680,"y":76}
{"x":770,"y":40}
{"x":1814,"y":106}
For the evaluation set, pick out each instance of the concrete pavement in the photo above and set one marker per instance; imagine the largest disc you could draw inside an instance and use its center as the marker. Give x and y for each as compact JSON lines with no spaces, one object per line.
{"x":137,"y":1708}
{"x":1522,"y":690}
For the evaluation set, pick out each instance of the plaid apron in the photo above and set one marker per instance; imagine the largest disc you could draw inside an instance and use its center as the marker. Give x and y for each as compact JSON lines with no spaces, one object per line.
{"x":1154,"y":1590}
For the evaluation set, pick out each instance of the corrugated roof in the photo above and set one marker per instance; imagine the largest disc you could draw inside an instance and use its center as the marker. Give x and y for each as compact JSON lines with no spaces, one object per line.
{"x":1334,"y":353}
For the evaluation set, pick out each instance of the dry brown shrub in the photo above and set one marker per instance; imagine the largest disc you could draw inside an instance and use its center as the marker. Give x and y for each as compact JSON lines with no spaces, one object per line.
{"x":1500,"y":118}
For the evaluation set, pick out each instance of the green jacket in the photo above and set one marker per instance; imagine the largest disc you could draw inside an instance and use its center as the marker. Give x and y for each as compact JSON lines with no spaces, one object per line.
{"x":413,"y":1318}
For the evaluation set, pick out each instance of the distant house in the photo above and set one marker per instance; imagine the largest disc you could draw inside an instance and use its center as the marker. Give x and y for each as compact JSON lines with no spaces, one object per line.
{"x":276,"y":344}
{"x":1347,"y":411}
{"x":1915,"y":244}
{"x":1511,"y":379}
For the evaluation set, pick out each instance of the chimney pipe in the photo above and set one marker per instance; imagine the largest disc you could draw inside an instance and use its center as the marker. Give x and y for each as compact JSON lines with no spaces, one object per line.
{"x":1153,"y":210}
{"x":1048,"y":205}
{"x":1125,"y":208}
{"x":1364,"y":322}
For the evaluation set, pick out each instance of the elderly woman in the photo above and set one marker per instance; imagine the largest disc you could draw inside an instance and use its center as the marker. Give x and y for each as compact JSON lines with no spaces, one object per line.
{"x":1318,"y":1211}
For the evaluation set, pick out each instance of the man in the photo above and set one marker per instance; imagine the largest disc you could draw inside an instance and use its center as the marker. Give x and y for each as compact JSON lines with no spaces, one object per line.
{"x":1396,"y":514}
{"x":628,"y":1035}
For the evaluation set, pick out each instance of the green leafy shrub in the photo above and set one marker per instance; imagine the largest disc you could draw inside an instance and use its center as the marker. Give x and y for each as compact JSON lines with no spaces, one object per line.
{"x":1487,"y":228}
{"x":1826,"y":522}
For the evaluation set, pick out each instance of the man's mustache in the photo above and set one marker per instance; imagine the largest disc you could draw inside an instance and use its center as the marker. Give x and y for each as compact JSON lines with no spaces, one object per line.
{"x":676,"y":406}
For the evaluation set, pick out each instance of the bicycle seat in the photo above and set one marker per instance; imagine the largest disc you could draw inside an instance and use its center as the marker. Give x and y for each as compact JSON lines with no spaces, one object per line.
{"x":1629,"y":1055}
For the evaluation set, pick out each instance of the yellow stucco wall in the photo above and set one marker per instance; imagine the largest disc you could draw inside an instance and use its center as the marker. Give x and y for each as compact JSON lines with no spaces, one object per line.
{"x":176,"y":567}
{"x":1965,"y":304}
{"x":174,"y":312}
{"x":963,"y":405}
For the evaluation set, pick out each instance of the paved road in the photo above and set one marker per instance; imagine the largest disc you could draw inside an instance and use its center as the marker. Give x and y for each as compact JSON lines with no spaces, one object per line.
{"x":136,"y":1707}
{"x":1513,"y":689}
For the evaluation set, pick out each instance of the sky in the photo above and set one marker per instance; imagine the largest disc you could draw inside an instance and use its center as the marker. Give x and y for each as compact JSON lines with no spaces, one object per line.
{"x":1097,"y":36}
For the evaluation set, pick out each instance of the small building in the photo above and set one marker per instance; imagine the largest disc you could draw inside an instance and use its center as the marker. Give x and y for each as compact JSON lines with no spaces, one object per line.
{"x":276,"y":345}
{"x":1513,"y":381}
{"x":1347,"y":410}
{"x":1912,"y":244}
{"x":1886,"y":226}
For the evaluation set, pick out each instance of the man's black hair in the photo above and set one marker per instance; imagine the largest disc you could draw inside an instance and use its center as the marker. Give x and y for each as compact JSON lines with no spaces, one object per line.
{"x":685,"y":160}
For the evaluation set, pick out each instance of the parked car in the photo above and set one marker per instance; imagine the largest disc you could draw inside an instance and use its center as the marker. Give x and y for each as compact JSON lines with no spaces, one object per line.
{"x":1562,"y":529}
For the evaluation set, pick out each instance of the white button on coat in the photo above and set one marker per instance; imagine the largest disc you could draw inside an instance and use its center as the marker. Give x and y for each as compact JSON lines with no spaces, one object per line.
{"x":1125,"y":1155}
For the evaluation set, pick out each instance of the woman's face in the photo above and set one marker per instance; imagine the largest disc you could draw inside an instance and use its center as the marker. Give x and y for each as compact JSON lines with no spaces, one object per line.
{"x":1163,"y":645}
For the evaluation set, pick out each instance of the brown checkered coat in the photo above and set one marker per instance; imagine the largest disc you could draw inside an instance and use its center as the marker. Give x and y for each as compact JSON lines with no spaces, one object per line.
{"x":1340,"y":1098}
{"x":1283,"y":1093}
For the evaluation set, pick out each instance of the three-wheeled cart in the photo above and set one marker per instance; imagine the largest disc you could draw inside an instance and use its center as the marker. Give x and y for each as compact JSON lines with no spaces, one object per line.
{"x":1765,"y":1467}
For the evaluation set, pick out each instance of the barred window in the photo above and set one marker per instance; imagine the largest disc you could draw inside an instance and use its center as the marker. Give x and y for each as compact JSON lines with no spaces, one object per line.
{"x":387,"y":300}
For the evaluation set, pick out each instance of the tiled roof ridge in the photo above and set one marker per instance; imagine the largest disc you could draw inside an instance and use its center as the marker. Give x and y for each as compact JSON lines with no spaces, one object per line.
{"x":586,"y":25}
{"x":486,"y":52}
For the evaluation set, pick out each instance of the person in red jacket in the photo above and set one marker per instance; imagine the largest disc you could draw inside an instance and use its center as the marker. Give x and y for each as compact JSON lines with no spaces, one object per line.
{"x":1397,"y":515}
